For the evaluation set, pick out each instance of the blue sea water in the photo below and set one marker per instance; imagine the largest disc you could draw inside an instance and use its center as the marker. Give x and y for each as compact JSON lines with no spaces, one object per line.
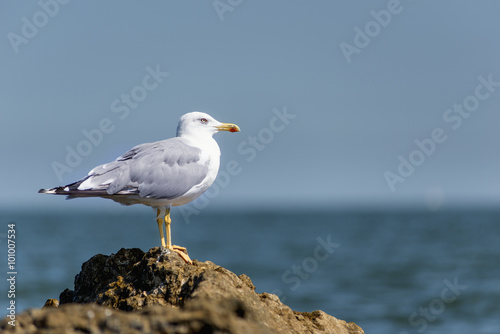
{"x":388,"y":271}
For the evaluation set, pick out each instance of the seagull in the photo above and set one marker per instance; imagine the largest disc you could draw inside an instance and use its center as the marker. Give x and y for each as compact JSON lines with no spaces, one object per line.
{"x":162,"y":174}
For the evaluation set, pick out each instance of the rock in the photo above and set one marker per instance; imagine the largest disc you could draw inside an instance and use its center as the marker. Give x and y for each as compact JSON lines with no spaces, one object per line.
{"x":136,"y":292}
{"x":51,"y":303}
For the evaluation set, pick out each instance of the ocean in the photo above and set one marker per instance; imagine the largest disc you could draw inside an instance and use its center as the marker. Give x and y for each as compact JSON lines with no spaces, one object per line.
{"x":399,"y":271}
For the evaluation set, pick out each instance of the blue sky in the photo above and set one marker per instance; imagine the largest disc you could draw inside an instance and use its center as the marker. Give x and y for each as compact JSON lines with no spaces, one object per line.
{"x":332,"y":96}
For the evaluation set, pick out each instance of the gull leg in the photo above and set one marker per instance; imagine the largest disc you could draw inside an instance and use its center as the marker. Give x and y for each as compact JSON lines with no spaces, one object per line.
{"x":159,"y":220}
{"x":178,"y":249}
{"x":167,"y":228}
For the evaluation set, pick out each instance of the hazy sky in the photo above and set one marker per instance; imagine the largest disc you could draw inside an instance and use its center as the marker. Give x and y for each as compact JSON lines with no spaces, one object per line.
{"x":339,"y":102}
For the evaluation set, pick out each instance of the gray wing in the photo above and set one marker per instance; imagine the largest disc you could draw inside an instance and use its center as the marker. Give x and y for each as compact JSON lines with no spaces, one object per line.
{"x":166,"y":169}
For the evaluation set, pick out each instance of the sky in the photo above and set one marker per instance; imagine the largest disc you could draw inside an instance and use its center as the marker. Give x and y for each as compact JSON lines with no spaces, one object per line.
{"x":340,"y":103}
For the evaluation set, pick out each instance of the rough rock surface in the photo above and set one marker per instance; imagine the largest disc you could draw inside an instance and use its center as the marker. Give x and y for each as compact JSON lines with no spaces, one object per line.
{"x":137,"y":292}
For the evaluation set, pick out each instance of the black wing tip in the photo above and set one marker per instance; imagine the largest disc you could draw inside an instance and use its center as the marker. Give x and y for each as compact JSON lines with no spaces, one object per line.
{"x":53,"y":191}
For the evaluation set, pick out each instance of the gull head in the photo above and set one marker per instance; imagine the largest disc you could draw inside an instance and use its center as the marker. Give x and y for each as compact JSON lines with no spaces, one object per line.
{"x":199,"y":124}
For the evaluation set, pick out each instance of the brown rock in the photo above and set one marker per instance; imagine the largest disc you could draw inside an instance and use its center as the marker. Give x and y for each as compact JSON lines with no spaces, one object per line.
{"x":51,"y":303}
{"x":139,"y":292}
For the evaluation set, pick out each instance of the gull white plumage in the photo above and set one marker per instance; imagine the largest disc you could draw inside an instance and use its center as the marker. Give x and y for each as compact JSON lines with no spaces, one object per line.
{"x":162,"y":174}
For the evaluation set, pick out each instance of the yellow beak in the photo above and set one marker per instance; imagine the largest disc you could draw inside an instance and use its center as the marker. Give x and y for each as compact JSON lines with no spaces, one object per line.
{"x":229,"y":127}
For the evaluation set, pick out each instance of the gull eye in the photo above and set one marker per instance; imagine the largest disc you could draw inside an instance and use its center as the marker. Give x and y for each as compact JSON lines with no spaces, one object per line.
{"x":204,"y":120}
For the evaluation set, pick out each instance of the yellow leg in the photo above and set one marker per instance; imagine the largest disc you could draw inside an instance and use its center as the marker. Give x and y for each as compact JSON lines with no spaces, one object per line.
{"x":167,"y":228}
{"x":178,"y":249}
{"x":159,"y":220}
